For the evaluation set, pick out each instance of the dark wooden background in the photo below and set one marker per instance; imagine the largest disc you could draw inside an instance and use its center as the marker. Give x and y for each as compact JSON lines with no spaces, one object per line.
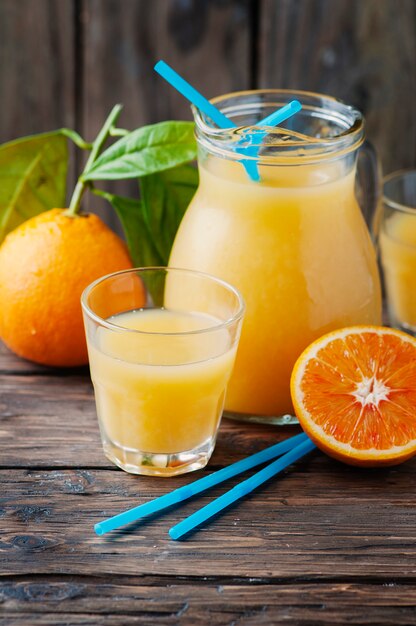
{"x":66,"y":62}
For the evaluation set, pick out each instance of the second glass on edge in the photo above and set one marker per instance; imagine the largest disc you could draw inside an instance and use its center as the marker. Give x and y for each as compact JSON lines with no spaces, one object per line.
{"x":397,"y":240}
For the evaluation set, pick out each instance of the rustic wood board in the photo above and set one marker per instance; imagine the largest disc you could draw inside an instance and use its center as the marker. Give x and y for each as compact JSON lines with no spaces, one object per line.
{"x":361,"y":52}
{"x":38,"y":75}
{"x":37,"y":68}
{"x":67,"y":63}
{"x":123,"y":41}
{"x":9,"y":363}
{"x":80,"y":600}
{"x":311,"y":523}
{"x":322,"y":544}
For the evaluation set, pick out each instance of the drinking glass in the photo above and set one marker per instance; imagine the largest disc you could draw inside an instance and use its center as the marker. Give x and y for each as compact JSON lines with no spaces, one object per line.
{"x":160,"y":362}
{"x":397,"y":238}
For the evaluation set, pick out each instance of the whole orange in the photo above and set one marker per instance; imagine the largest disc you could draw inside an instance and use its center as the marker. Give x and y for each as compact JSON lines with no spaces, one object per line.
{"x":45,"y":264}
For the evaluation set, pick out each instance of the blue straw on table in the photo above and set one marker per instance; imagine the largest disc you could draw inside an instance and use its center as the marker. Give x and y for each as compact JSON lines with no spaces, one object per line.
{"x":221,"y":120}
{"x":240,"y":491}
{"x":198,"y":486}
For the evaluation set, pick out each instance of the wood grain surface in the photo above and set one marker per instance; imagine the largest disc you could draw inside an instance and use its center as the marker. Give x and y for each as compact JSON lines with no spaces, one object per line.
{"x":301,"y":525}
{"x":38,"y":70}
{"x":37,"y":67}
{"x":322,"y":544}
{"x":363,"y":52}
{"x":67,"y":63}
{"x":129,"y":601}
{"x":208,"y":41}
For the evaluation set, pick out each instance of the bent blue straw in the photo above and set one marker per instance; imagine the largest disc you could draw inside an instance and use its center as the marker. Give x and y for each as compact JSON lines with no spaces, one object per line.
{"x":221,"y":120}
{"x":198,"y":486}
{"x":191,"y":94}
{"x":239,"y":491}
{"x":274,"y":119}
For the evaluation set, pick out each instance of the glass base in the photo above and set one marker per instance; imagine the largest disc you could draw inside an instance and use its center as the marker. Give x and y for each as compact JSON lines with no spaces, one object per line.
{"x":275,"y":420}
{"x":151,"y":464}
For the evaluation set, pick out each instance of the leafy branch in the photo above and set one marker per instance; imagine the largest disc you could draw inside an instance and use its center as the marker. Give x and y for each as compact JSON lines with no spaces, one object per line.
{"x":97,"y":146}
{"x":33,"y":174}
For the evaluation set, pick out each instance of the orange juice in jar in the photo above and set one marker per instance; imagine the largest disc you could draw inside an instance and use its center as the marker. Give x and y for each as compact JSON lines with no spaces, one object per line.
{"x":295,"y":243}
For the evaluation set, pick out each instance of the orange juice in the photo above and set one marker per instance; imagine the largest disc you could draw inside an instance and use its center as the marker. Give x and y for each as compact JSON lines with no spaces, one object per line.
{"x":157,"y":391}
{"x":297,"y":248}
{"x":398,"y":253}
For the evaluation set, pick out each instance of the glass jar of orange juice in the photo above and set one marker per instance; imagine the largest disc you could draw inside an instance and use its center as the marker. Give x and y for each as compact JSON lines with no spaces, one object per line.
{"x":294,"y":243}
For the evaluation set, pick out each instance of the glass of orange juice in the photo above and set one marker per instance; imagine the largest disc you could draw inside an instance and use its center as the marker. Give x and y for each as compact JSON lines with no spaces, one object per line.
{"x":397,"y":238}
{"x":160,"y":361}
{"x":295,"y":243}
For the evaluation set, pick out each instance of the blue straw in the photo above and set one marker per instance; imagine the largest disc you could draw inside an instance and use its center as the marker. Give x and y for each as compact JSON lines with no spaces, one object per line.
{"x":274,"y":119}
{"x":221,"y":120}
{"x":191,"y":94}
{"x":198,"y":486}
{"x":240,"y":491}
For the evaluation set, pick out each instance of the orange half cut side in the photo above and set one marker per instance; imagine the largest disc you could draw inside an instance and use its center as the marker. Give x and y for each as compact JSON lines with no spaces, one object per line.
{"x":354,"y":393}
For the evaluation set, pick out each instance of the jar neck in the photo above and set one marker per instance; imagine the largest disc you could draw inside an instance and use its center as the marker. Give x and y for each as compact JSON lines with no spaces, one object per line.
{"x":325,"y":129}
{"x":215,"y":169}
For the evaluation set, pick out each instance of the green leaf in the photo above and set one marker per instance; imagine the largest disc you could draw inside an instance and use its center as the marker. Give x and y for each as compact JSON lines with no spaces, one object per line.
{"x":33,"y":174}
{"x":138,"y":237}
{"x":139,"y":241}
{"x":166,"y":196}
{"x":145,"y":151}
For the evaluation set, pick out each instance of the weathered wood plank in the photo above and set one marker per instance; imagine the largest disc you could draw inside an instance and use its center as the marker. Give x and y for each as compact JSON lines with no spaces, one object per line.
{"x":362,"y":52}
{"x":90,"y":601}
{"x":207,"y":41}
{"x":48,"y":420}
{"x":309,"y":524}
{"x":12,"y":364}
{"x":123,"y":40}
{"x":37,"y":68}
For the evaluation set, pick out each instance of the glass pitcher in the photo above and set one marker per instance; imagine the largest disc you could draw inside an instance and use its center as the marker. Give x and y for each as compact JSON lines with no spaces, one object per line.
{"x":295,"y":243}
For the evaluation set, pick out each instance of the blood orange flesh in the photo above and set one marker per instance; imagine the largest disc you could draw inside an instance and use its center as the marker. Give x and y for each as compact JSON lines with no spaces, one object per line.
{"x":354,"y":393}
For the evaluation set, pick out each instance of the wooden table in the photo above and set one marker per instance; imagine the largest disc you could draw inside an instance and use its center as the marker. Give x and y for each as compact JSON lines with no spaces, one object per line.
{"x":324,"y":544}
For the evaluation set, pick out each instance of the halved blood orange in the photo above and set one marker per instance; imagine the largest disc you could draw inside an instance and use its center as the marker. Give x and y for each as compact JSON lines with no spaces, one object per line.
{"x":354,"y":393}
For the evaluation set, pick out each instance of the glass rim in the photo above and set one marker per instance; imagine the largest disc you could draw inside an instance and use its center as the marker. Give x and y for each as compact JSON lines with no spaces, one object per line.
{"x":318,"y":148}
{"x":135,"y":270}
{"x":392,"y":204}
